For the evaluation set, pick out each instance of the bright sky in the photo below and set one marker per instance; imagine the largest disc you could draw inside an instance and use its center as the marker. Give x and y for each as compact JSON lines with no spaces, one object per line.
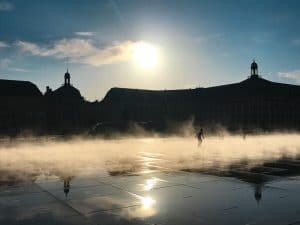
{"x":188,"y":43}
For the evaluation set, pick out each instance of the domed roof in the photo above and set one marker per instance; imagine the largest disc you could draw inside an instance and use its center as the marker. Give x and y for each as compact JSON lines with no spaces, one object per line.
{"x":67,"y":92}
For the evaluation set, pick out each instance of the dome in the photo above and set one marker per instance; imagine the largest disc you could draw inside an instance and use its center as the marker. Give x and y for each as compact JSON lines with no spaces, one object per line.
{"x":67,"y":92}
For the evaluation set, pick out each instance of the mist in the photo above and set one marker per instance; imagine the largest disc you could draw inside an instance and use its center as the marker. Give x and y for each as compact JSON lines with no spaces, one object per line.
{"x":47,"y":157}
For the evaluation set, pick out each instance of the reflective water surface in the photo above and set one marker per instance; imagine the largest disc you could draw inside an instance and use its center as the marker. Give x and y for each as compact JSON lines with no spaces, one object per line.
{"x":226,"y":180}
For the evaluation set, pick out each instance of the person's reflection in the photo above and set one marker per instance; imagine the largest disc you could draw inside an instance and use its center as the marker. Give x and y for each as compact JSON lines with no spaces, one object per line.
{"x":258,"y":192}
{"x":67,"y":185}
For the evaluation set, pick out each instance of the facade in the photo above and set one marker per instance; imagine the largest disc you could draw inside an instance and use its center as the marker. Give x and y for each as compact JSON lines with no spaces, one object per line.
{"x":66,"y":110}
{"x":66,"y":92}
{"x":20,"y":106}
{"x":25,"y":109}
{"x":254,"y":103}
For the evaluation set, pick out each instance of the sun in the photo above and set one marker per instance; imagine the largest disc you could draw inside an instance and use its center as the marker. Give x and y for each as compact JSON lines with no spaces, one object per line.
{"x":145,"y":55}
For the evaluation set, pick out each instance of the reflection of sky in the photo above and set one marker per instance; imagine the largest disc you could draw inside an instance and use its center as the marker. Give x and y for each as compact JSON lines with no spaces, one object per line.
{"x":193,"y":37}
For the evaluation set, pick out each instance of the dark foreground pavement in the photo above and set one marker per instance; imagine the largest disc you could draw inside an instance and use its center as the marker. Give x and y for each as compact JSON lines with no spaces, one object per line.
{"x":265,"y":194}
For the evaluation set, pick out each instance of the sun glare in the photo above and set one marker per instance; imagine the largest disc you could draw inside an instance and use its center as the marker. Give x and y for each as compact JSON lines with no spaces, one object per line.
{"x":145,"y":55}
{"x":147,"y":202}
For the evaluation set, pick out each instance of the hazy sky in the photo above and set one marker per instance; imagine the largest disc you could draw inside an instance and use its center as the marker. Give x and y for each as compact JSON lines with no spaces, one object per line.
{"x":198,"y":43}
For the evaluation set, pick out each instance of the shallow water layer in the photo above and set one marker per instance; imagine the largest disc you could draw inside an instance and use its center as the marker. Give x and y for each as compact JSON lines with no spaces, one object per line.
{"x":175,"y":180}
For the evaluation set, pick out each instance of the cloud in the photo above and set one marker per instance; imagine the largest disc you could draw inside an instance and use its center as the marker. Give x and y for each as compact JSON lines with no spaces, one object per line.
{"x":3,"y":44}
{"x":116,"y":53}
{"x":6,"y":6}
{"x":85,"y":33}
{"x":294,"y":75}
{"x":73,"y":48}
{"x":82,"y":51}
{"x":29,"y":47}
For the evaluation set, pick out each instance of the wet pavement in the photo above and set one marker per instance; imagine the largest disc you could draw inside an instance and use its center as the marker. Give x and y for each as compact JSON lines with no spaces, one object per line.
{"x":264,"y":194}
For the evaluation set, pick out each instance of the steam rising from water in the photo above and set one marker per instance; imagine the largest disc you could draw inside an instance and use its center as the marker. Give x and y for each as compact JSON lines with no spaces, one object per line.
{"x":46,"y":157}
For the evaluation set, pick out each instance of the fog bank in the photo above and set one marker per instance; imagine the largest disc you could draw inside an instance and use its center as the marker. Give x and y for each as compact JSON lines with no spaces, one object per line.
{"x":124,"y":156}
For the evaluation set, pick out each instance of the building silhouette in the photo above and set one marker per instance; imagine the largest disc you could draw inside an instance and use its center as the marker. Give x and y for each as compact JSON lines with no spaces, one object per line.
{"x":20,"y":106}
{"x":254,"y":103}
{"x":25,"y":109}
{"x":66,"y":110}
{"x":67,"y":78}
{"x":15,"y":88}
{"x":66,"y":91}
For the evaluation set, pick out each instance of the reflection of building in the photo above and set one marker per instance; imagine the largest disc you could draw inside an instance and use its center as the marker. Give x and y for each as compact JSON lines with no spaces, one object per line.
{"x":260,"y":176}
{"x":258,"y":192}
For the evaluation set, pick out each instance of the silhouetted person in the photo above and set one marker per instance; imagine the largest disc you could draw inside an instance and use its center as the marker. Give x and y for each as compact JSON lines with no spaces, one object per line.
{"x":66,"y":186}
{"x":200,"y":136}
